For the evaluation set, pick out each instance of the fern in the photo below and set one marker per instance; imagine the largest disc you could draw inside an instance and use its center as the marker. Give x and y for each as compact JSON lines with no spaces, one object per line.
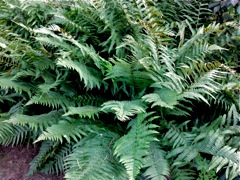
{"x":123,"y":109}
{"x":85,"y":111}
{"x":66,"y":129}
{"x":8,"y":83}
{"x":68,"y":69}
{"x":132,"y":147}
{"x":39,"y":158}
{"x":97,"y":162}
{"x":55,"y":159}
{"x":13,"y":135}
{"x":155,"y":163}
{"x":90,"y":80}
{"x":163,"y":97}
{"x":38,"y":121}
{"x":51,"y":99}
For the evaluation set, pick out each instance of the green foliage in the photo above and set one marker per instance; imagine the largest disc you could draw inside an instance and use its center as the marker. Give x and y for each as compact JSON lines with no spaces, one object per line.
{"x":94,"y":163}
{"x":132,"y":147}
{"x":72,"y":73}
{"x":156,"y":163}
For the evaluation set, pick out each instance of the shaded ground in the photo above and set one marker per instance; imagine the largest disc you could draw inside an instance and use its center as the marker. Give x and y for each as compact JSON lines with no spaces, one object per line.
{"x":14,"y":164}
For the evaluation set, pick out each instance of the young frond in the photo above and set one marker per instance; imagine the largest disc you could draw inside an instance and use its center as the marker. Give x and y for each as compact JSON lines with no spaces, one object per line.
{"x":135,"y":145}
{"x":124,"y":109}
{"x":98,"y":163}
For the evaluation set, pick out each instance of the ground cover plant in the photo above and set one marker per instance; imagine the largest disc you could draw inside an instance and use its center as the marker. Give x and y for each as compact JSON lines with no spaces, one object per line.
{"x":128,"y":89}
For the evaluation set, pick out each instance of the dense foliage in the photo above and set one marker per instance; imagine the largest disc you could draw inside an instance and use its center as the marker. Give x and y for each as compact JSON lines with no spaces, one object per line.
{"x":127,"y":89}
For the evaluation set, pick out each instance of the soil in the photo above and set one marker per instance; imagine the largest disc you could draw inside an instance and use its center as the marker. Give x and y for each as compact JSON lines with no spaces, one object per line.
{"x":14,"y":164}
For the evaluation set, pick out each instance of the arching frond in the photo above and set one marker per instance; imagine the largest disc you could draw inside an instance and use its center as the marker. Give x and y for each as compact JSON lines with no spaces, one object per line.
{"x":38,"y":121}
{"x":90,"y":80}
{"x":51,"y":99}
{"x":70,"y":130}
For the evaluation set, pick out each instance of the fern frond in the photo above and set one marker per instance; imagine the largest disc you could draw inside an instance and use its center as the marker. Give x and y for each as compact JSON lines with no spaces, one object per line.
{"x":178,"y":137}
{"x":46,"y":147}
{"x":132,"y":147}
{"x":196,"y":12}
{"x":123,"y":109}
{"x":183,"y":174}
{"x":90,"y":80}
{"x":6,"y":96}
{"x":13,"y":134}
{"x":55,"y":158}
{"x":211,"y":143}
{"x":60,"y":18}
{"x":84,"y":111}
{"x":157,"y":167}
{"x":66,"y":129}
{"x":128,"y":72}
{"x":164,"y":98}
{"x":204,"y":81}
{"x":96,"y":163}
{"x":38,"y":121}
{"x":8,"y":83}
{"x":51,"y":99}
{"x":89,"y":99}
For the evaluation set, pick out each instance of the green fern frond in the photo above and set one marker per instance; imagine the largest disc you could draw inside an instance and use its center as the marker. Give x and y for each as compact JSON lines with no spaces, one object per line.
{"x":90,"y":80}
{"x":183,"y":174}
{"x":196,"y":12}
{"x":84,"y":111}
{"x":130,"y":72}
{"x":124,"y":109}
{"x":38,"y":121}
{"x":66,"y":129}
{"x":204,"y":83}
{"x":211,"y":143}
{"x":6,"y":96}
{"x":63,"y":20}
{"x":37,"y":161}
{"x":55,"y":159}
{"x":51,"y":99}
{"x":164,"y":98}
{"x":8,"y":83}
{"x":157,"y":167}
{"x":178,"y":137}
{"x":132,"y":147}
{"x":13,"y":134}
{"x":96,"y":163}
{"x":89,"y":99}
